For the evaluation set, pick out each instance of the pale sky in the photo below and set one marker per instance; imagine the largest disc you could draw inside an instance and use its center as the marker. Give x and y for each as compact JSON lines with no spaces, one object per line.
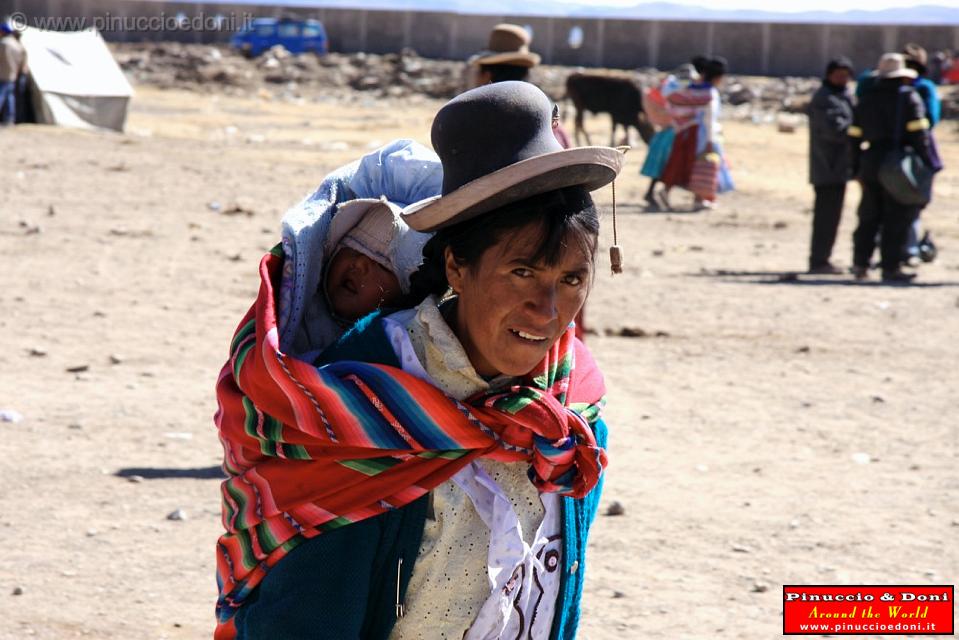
{"x":793,"y":5}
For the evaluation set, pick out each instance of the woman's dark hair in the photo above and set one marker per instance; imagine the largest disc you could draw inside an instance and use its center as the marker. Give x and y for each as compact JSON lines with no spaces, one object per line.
{"x":714,"y":68}
{"x":699,"y":63}
{"x":916,"y":58}
{"x":918,"y":67}
{"x":562,"y":215}
{"x":504,"y":72}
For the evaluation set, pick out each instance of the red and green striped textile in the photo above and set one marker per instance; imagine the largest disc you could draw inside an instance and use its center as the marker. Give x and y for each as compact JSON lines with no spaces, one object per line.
{"x":311,"y":449}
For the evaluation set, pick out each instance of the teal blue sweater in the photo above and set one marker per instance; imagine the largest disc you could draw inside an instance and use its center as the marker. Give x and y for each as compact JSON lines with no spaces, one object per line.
{"x":342,"y":585}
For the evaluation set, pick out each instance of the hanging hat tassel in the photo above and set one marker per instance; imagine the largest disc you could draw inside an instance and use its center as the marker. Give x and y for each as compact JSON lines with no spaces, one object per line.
{"x":616,"y":259}
{"x":615,"y":253}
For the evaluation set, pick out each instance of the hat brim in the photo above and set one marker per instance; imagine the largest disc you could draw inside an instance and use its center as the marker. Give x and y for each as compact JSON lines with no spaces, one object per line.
{"x":899,"y":73}
{"x":516,"y":58}
{"x":588,"y":167}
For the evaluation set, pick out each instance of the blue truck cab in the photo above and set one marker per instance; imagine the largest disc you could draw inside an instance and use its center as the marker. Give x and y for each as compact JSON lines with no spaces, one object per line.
{"x":296,"y":36}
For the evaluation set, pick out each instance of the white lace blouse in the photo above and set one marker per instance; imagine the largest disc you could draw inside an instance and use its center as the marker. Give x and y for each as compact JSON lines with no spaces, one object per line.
{"x":488,"y":565}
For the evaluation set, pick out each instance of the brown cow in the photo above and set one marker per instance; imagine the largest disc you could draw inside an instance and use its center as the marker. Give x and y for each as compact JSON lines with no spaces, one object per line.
{"x":617,"y":95}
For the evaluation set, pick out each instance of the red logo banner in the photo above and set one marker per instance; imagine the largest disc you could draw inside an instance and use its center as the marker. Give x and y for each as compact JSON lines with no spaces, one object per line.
{"x":869,"y":610}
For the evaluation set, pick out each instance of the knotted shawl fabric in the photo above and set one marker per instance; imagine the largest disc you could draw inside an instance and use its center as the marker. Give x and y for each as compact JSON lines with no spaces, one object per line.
{"x":312,"y":449}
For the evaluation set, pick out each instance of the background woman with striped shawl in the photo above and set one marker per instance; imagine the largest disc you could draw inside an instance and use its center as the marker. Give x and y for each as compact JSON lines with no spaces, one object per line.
{"x":696,"y":111}
{"x":438,"y":478}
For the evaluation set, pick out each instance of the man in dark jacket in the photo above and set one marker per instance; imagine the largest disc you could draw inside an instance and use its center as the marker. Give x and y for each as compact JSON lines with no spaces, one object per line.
{"x":830,"y":114}
{"x":891,"y":111}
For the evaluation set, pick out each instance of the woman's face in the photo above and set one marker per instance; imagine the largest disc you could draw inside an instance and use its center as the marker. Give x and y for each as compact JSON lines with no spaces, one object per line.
{"x":511,"y":311}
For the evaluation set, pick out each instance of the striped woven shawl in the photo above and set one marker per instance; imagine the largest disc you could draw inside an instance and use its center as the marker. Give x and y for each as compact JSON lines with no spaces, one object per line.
{"x":311,"y":449}
{"x":685,"y":104}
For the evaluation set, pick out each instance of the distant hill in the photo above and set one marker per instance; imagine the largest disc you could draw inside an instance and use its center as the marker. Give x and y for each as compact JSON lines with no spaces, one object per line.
{"x":925,"y":14}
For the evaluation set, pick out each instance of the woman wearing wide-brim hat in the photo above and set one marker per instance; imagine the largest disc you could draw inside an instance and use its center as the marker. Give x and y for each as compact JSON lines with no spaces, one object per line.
{"x":507,"y":57}
{"x":890,"y":116}
{"x":377,"y":535}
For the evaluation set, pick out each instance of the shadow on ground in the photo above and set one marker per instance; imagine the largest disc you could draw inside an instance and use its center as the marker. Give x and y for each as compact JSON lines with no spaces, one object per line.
{"x":645,"y":209}
{"x":157,"y":473}
{"x":798,"y":278}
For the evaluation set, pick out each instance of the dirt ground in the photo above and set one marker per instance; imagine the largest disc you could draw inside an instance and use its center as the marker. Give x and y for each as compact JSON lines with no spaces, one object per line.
{"x":766,"y":431}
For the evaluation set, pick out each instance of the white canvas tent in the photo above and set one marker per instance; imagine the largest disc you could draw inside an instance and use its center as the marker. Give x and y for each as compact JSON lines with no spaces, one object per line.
{"x":75,"y":82}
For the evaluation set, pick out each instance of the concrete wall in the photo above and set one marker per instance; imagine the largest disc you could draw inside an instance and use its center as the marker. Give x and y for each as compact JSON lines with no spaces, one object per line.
{"x":434,"y":34}
{"x":796,"y":49}
{"x":751,"y":48}
{"x":680,"y":41}
{"x":861,"y":46}
{"x":628,"y":45}
{"x":346,"y":29}
{"x":742,"y":44}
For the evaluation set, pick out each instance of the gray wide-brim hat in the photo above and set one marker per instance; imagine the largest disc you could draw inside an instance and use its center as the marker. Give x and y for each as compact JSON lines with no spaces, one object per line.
{"x":497,"y":146}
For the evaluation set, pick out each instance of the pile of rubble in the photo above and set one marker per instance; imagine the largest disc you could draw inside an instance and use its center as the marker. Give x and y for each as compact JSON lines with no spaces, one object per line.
{"x":791,"y":95}
{"x":950,"y":101}
{"x":393,"y":75}
{"x":208,"y":68}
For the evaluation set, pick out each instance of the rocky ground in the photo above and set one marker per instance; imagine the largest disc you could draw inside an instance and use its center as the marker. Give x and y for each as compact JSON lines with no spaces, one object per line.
{"x":404,"y":74}
{"x":362,"y":76}
{"x":768,"y":428}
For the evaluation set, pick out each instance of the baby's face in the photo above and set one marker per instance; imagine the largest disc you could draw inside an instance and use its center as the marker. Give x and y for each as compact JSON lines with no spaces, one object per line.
{"x":356,"y":285}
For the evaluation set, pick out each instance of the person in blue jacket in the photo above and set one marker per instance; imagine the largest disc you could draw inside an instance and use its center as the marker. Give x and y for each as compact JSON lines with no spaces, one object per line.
{"x":510,"y":265}
{"x":917,"y":59}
